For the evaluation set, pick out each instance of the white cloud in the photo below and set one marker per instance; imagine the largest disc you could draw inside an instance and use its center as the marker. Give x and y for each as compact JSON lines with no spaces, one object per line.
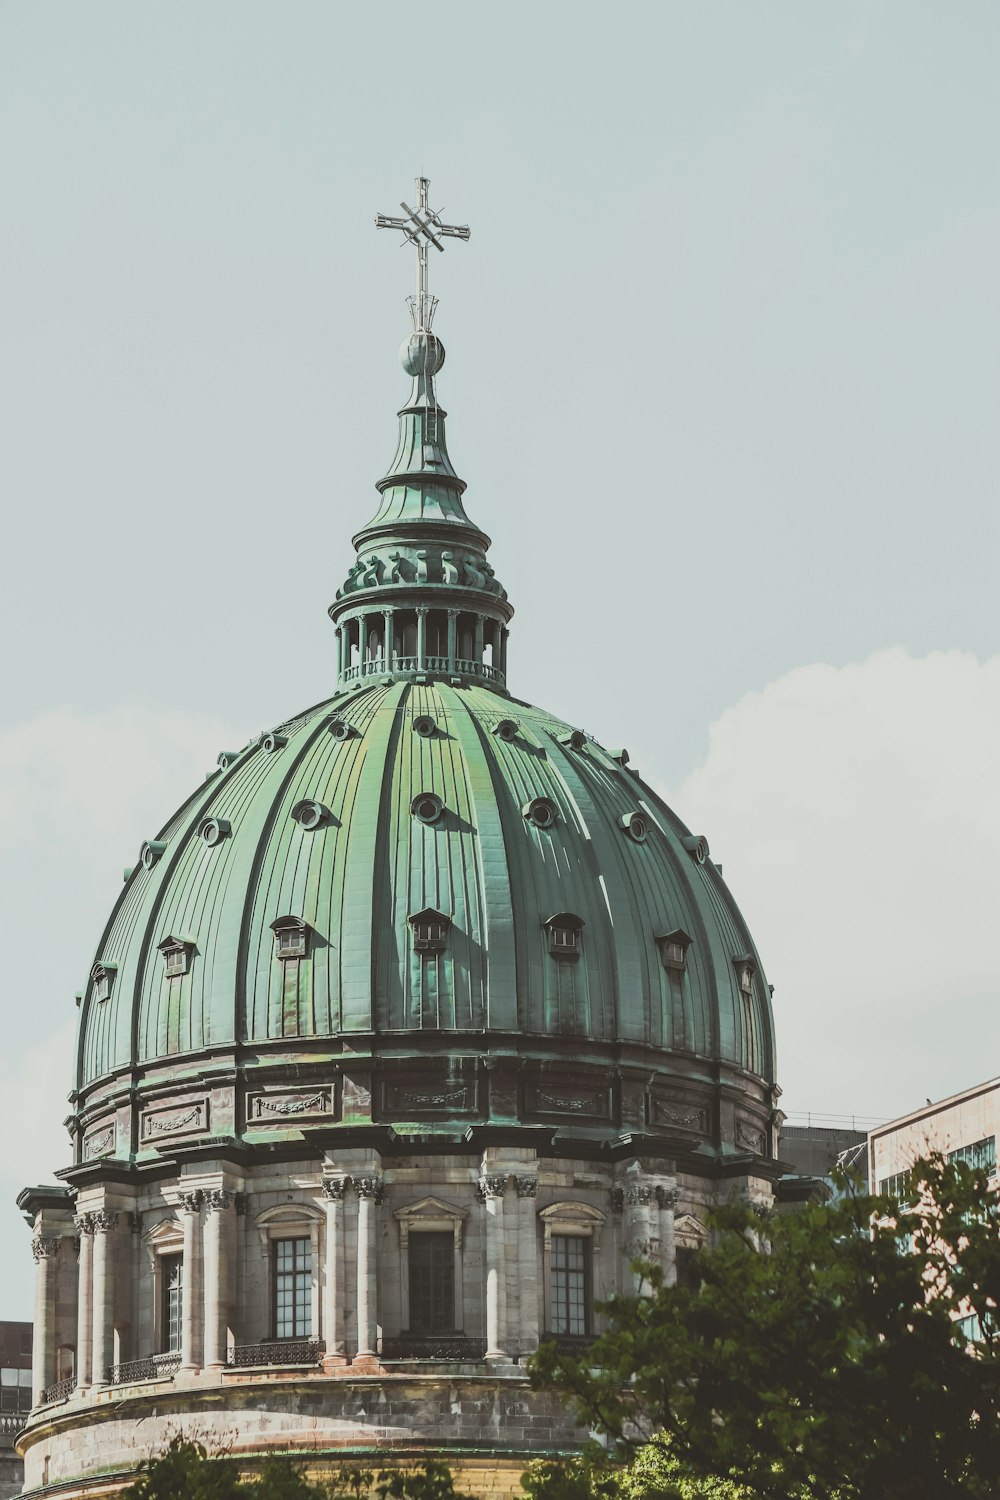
{"x":856,"y":813}
{"x":78,"y":794}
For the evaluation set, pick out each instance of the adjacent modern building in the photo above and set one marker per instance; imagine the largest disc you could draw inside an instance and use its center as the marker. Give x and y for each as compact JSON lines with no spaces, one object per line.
{"x":416,"y":1020}
{"x":15,"y":1401}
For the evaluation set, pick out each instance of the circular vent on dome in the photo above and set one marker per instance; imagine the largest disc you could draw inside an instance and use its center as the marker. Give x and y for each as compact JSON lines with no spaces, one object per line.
{"x":309,"y":814}
{"x":340,"y":729}
{"x":540,"y":811}
{"x":273,"y":741}
{"x":150,"y":853}
{"x":424,"y":725}
{"x":427,"y":807}
{"x":226,"y":758}
{"x":213,"y":830}
{"x":636,"y":826}
{"x":697,"y":846}
{"x":506,"y":729}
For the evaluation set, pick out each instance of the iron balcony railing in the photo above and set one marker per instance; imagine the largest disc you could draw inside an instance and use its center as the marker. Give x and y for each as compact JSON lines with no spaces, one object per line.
{"x":154,"y":1367}
{"x":454,"y":1348}
{"x":276,"y":1352}
{"x":59,"y":1390}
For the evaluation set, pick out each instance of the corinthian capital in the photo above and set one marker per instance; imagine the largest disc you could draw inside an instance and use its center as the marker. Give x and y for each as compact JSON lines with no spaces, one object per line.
{"x":368,"y":1187}
{"x":44,"y":1247}
{"x":85,"y":1223}
{"x":333,"y":1188}
{"x":492,"y":1187}
{"x":105,"y":1220}
{"x":217,"y":1198}
{"x":191,"y":1202}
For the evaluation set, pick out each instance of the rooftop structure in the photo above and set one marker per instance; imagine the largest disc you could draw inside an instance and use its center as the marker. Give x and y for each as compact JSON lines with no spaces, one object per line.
{"x":419,"y":1016}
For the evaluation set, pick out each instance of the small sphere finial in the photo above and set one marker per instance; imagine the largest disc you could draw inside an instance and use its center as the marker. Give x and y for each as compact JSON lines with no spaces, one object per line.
{"x":421,"y":354}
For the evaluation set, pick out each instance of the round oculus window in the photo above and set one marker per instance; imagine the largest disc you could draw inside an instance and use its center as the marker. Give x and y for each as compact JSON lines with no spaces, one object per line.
{"x":635,"y":826}
{"x":309,"y":814}
{"x":340,"y":729}
{"x":541,"y":812}
{"x":507,"y":729}
{"x":427,"y":807}
{"x":424,"y":725}
{"x":213,"y":830}
{"x":273,"y":741}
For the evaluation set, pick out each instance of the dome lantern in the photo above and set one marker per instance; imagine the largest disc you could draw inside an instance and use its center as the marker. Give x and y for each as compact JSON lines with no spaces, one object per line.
{"x":421,"y":599}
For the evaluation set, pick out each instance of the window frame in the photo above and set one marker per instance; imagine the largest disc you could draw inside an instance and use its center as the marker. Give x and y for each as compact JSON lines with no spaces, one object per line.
{"x":288,"y":1221}
{"x":436,"y":1216}
{"x":572,"y":1220}
{"x":308,"y":1273}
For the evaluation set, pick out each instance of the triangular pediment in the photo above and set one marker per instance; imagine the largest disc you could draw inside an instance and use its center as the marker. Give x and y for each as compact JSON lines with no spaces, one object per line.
{"x":429,"y":1208}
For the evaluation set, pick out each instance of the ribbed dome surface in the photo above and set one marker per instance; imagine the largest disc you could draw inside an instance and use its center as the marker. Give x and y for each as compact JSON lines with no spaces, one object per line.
{"x":371,"y":864}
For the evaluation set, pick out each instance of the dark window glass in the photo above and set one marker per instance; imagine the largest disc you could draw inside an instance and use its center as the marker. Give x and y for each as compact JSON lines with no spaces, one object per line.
{"x":292,"y":1289}
{"x":688,"y":1274}
{"x":568,"y":1292}
{"x":432,"y":1282}
{"x":172,"y":1273}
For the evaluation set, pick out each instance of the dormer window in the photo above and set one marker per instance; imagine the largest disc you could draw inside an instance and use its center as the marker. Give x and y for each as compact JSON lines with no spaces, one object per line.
{"x":745,"y":970}
{"x":103,"y":976}
{"x":430,"y":930}
{"x":564,"y":932}
{"x":673,"y":950}
{"x":291,"y":937}
{"x":176,"y":956}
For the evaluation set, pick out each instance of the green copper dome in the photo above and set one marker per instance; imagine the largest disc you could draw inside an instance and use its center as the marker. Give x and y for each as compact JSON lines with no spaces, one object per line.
{"x":424,"y":907}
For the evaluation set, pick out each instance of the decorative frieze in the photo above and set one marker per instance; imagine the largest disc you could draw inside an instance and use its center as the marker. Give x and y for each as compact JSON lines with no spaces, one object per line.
{"x":289,"y":1104}
{"x":679,"y":1115}
{"x":570,"y":1098}
{"x":750,"y":1136}
{"x":189,"y":1118}
{"x":99,"y":1142}
{"x":414,"y":1098}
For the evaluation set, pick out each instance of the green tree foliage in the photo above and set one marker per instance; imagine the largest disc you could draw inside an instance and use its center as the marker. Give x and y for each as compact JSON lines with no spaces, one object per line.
{"x":185,"y":1471}
{"x":819,"y":1355}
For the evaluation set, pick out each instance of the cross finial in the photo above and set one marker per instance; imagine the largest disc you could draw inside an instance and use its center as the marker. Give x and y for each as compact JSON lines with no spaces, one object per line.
{"x":422,"y":227}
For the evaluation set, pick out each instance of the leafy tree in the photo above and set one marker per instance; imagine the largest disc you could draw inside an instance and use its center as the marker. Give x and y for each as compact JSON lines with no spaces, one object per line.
{"x":185,"y":1471}
{"x":819,"y":1355}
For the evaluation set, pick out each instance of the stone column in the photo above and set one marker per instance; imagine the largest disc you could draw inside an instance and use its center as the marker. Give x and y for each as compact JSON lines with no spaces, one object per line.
{"x":85,"y":1301}
{"x":668,"y":1198}
{"x":333,"y":1285}
{"x":369,"y":1191}
{"x":421,"y":637}
{"x":190,"y":1206}
{"x":105,"y":1224}
{"x":217,"y":1273}
{"x":492,"y":1191}
{"x":338,"y":636}
{"x":527,"y":1268}
{"x":504,"y":638}
{"x":642,"y":1239}
{"x":387,"y":639}
{"x":45,"y":1249}
{"x":480,"y":638}
{"x":362,"y":645}
{"x":452,"y":638}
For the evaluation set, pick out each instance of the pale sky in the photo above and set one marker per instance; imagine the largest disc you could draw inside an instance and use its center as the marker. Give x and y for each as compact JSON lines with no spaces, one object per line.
{"x":722,"y":376}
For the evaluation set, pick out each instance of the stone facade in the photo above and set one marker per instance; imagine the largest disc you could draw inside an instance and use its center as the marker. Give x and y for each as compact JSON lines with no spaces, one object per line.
{"x":357,"y":1383}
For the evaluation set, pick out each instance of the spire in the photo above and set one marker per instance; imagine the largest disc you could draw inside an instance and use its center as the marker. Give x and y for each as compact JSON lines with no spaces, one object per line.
{"x":421,"y":598}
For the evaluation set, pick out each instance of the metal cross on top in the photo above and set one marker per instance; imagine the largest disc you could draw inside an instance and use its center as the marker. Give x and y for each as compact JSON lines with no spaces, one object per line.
{"x":423,"y":228}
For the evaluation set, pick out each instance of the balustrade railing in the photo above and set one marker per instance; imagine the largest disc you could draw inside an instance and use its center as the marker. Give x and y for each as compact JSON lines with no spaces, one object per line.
{"x":154,"y":1367}
{"x":59,"y":1390}
{"x":456,"y":1348}
{"x":10,"y":1425}
{"x":276,"y":1352}
{"x":462,"y":665}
